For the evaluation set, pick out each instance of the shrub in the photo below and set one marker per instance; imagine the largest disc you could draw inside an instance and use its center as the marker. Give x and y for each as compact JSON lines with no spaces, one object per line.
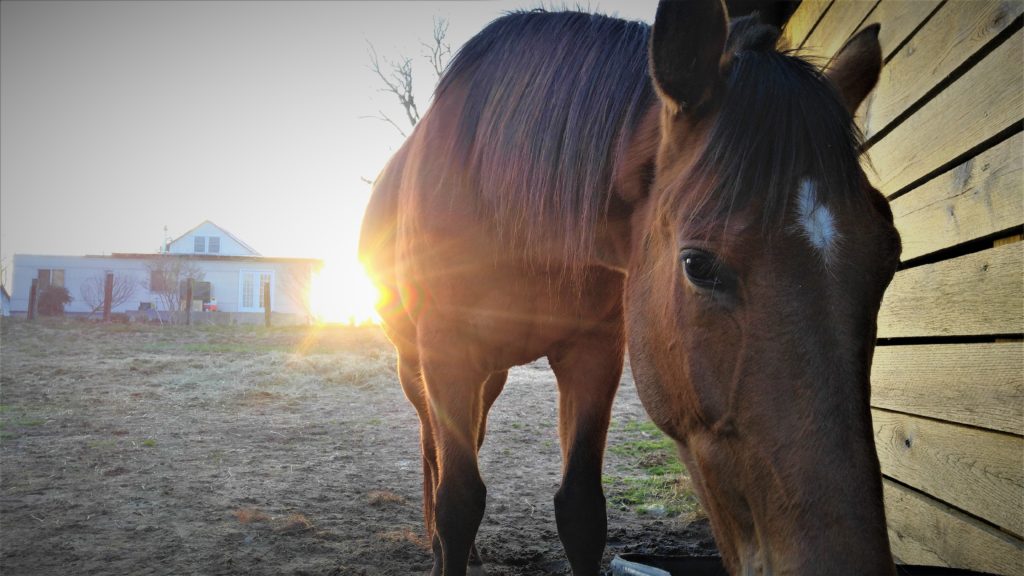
{"x":52,"y":300}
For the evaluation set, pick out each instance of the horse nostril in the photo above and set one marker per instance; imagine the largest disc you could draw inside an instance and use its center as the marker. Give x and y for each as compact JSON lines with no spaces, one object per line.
{"x":906,"y":442}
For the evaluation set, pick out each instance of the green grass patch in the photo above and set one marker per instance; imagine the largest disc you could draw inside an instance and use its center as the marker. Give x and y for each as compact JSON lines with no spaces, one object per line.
{"x":102,"y":444}
{"x":662,"y":495}
{"x":656,"y":482}
{"x":21,"y":421}
{"x":149,"y":443}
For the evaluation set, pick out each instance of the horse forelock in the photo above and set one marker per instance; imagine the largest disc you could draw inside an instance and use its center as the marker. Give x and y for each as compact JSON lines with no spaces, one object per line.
{"x":551,"y":100}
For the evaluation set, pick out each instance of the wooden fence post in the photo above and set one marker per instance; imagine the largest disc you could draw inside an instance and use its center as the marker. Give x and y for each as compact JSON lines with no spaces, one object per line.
{"x":188,"y":303}
{"x":32,"y":299}
{"x":108,"y":295}
{"x":266,"y":303}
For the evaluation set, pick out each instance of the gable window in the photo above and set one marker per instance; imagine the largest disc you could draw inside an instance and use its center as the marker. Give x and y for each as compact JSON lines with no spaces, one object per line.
{"x":200,"y":244}
{"x":250,"y":288}
{"x":50,"y":277}
{"x":214,"y":245}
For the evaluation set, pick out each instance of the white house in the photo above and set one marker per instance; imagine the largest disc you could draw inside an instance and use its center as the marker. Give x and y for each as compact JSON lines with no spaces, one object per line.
{"x":227,"y":275}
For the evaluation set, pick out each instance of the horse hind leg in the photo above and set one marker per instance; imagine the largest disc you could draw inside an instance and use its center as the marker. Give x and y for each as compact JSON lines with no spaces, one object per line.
{"x":492,"y":389}
{"x":412,"y":385}
{"x":588,"y":372}
{"x":455,"y":393}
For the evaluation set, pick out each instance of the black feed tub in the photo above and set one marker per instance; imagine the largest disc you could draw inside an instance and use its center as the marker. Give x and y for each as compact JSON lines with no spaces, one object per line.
{"x":650,"y":565}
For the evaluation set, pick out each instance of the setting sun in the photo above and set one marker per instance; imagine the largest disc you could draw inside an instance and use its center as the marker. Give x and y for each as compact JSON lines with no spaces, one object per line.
{"x":342,"y":293}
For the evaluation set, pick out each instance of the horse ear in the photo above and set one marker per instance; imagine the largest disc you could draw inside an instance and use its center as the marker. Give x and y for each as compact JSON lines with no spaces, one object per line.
{"x":686,"y":51}
{"x":855,"y":68}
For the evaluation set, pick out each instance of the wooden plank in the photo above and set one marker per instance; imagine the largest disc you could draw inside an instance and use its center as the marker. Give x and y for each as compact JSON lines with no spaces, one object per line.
{"x":802,"y":22}
{"x":976,"y":384}
{"x":978,"y":471}
{"x":984,"y":101}
{"x":1007,"y":240}
{"x":899,"y":18}
{"x":923,"y":531}
{"x":976,"y":294}
{"x":836,"y":27}
{"x":956,"y":32}
{"x":980,"y":197}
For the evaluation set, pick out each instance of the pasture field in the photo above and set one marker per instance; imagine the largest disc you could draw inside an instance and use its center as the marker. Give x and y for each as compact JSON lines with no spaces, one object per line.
{"x":136,"y":449}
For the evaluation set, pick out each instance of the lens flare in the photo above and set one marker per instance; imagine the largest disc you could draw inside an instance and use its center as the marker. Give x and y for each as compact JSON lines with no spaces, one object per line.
{"x":342,"y":293}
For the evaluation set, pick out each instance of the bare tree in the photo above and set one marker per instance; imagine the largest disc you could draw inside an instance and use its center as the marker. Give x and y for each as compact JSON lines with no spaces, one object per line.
{"x":397,"y":75}
{"x":93,"y":289}
{"x":166,"y":273}
{"x":398,"y":81}
{"x":438,"y":52}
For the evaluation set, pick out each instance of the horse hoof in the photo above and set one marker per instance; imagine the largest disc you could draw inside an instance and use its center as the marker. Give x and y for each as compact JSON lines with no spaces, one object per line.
{"x":476,"y":570}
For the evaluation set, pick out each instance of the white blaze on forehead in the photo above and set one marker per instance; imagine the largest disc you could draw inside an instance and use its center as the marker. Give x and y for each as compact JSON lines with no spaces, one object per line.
{"x":815,"y":220}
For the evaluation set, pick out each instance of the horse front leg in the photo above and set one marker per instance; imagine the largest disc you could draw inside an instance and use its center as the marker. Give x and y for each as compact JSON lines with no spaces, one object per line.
{"x":455,"y":398}
{"x":588,"y":372}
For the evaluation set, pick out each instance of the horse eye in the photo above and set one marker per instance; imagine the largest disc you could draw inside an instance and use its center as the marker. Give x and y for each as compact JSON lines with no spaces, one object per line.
{"x":702,"y":269}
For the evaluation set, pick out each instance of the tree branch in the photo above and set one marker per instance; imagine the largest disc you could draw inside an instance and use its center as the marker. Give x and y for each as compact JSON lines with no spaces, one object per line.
{"x":398,"y":82}
{"x":384,"y":118}
{"x":438,"y":53}
{"x":396,"y":76}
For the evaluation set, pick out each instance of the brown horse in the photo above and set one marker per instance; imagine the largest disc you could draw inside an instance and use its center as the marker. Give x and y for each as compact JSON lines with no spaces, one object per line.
{"x":581,"y":182}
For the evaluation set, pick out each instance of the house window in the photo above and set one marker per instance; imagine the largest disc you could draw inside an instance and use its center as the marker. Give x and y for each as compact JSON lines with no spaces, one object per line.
{"x":200,"y":244}
{"x":214,"y":245}
{"x":200,"y":290}
{"x":251,"y":289}
{"x":50,"y":277}
{"x":157,"y":281}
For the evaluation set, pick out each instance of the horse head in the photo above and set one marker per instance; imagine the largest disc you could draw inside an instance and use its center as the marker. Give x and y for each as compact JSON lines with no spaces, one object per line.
{"x":758,"y":260}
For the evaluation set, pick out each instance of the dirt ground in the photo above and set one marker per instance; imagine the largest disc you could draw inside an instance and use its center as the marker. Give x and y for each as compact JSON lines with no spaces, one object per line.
{"x":129,"y":449}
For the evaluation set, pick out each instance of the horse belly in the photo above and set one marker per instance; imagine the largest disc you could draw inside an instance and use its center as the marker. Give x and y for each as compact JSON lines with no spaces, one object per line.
{"x":507,"y":312}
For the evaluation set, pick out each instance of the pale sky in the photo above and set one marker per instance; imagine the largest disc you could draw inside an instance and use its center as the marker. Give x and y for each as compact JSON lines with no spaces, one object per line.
{"x":119,"y":118}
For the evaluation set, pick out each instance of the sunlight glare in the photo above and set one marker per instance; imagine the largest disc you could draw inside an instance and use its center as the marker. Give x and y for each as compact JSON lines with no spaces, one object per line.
{"x":342,"y":293}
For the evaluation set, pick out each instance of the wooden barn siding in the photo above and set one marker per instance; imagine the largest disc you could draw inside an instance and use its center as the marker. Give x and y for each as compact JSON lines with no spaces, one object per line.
{"x":944,"y":141}
{"x":979,"y":198}
{"x":980,"y":385}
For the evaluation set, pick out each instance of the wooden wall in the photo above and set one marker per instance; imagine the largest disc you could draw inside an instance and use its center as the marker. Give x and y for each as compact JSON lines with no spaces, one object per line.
{"x":944,"y":139}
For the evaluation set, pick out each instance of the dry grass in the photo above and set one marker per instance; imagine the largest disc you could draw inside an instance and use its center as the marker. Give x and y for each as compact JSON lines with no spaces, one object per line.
{"x":382,"y":497}
{"x":295,"y":522}
{"x":405,"y":535}
{"x":250,"y":515}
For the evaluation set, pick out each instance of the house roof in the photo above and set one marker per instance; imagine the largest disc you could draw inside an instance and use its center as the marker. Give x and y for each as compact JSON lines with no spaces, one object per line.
{"x":221,"y":228}
{"x":215,"y":257}
{"x":316,"y":262}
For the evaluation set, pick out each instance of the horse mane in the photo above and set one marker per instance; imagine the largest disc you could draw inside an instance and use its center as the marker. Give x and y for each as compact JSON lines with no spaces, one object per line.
{"x":551,"y":99}
{"x":781,"y":120}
